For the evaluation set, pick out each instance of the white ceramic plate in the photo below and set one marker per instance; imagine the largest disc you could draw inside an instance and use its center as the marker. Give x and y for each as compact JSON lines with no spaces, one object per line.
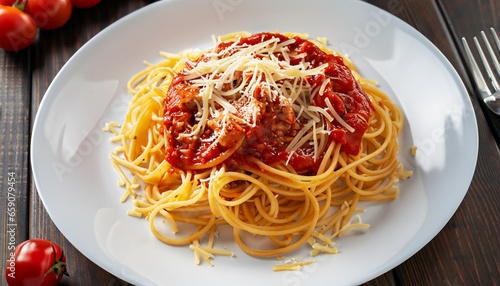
{"x":78,"y":186}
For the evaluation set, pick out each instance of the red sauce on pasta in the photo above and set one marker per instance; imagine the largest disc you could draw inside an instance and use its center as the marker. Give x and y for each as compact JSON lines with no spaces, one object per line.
{"x":266,"y":132}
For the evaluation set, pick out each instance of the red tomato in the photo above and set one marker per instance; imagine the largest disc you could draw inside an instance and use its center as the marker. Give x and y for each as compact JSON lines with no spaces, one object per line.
{"x":49,"y":14}
{"x":7,"y":2}
{"x":18,"y":29}
{"x":84,"y":3}
{"x":36,"y":262}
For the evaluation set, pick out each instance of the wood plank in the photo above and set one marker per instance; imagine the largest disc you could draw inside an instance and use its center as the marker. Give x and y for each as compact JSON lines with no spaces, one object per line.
{"x":14,"y":162}
{"x":386,"y":279}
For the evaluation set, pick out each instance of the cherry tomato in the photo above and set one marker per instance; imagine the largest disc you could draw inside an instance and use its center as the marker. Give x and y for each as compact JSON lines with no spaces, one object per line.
{"x":36,"y":262}
{"x":7,"y":2}
{"x":49,"y":14}
{"x":18,"y":29}
{"x":84,"y":3}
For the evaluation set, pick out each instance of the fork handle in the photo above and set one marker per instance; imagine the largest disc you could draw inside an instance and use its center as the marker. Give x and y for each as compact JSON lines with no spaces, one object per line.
{"x":493,"y":121}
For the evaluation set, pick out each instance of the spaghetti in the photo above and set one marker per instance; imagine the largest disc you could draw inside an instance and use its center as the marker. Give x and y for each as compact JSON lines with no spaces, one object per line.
{"x":272,"y":134}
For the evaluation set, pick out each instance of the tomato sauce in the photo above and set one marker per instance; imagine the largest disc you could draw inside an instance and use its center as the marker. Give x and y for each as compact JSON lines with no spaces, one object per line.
{"x":268,"y":138}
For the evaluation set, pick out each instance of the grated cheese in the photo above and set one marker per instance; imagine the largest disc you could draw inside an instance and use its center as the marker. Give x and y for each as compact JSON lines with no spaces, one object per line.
{"x":413,"y":150}
{"x":292,"y":266}
{"x":337,"y":116}
{"x":233,"y":74}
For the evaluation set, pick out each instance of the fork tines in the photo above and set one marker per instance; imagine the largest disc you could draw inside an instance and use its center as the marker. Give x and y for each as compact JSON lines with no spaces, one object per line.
{"x":475,"y":68}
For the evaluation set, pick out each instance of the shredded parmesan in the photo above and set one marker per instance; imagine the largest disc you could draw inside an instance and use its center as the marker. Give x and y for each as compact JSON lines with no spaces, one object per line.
{"x":337,"y":116}
{"x":292,"y":266}
{"x":413,"y":150}
{"x":317,"y":248}
{"x":322,"y":40}
{"x":207,"y":253}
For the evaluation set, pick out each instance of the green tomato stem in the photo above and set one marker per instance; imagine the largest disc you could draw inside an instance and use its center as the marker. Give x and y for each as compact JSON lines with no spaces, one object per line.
{"x":19,"y":4}
{"x":59,"y":266}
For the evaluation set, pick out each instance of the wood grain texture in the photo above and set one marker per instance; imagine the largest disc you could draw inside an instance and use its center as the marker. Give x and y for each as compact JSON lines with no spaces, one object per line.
{"x":386,"y":279}
{"x":14,"y":139}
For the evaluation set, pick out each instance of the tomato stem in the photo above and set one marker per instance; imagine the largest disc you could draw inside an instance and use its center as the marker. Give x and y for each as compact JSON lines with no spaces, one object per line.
{"x":59,"y":266}
{"x":19,"y":4}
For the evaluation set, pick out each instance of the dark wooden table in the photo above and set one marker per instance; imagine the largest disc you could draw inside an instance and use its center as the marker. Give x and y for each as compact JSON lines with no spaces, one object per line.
{"x":465,"y":252}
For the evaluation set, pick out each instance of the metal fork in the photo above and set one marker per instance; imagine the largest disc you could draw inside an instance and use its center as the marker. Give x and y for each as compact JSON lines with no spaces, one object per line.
{"x":491,"y":99}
